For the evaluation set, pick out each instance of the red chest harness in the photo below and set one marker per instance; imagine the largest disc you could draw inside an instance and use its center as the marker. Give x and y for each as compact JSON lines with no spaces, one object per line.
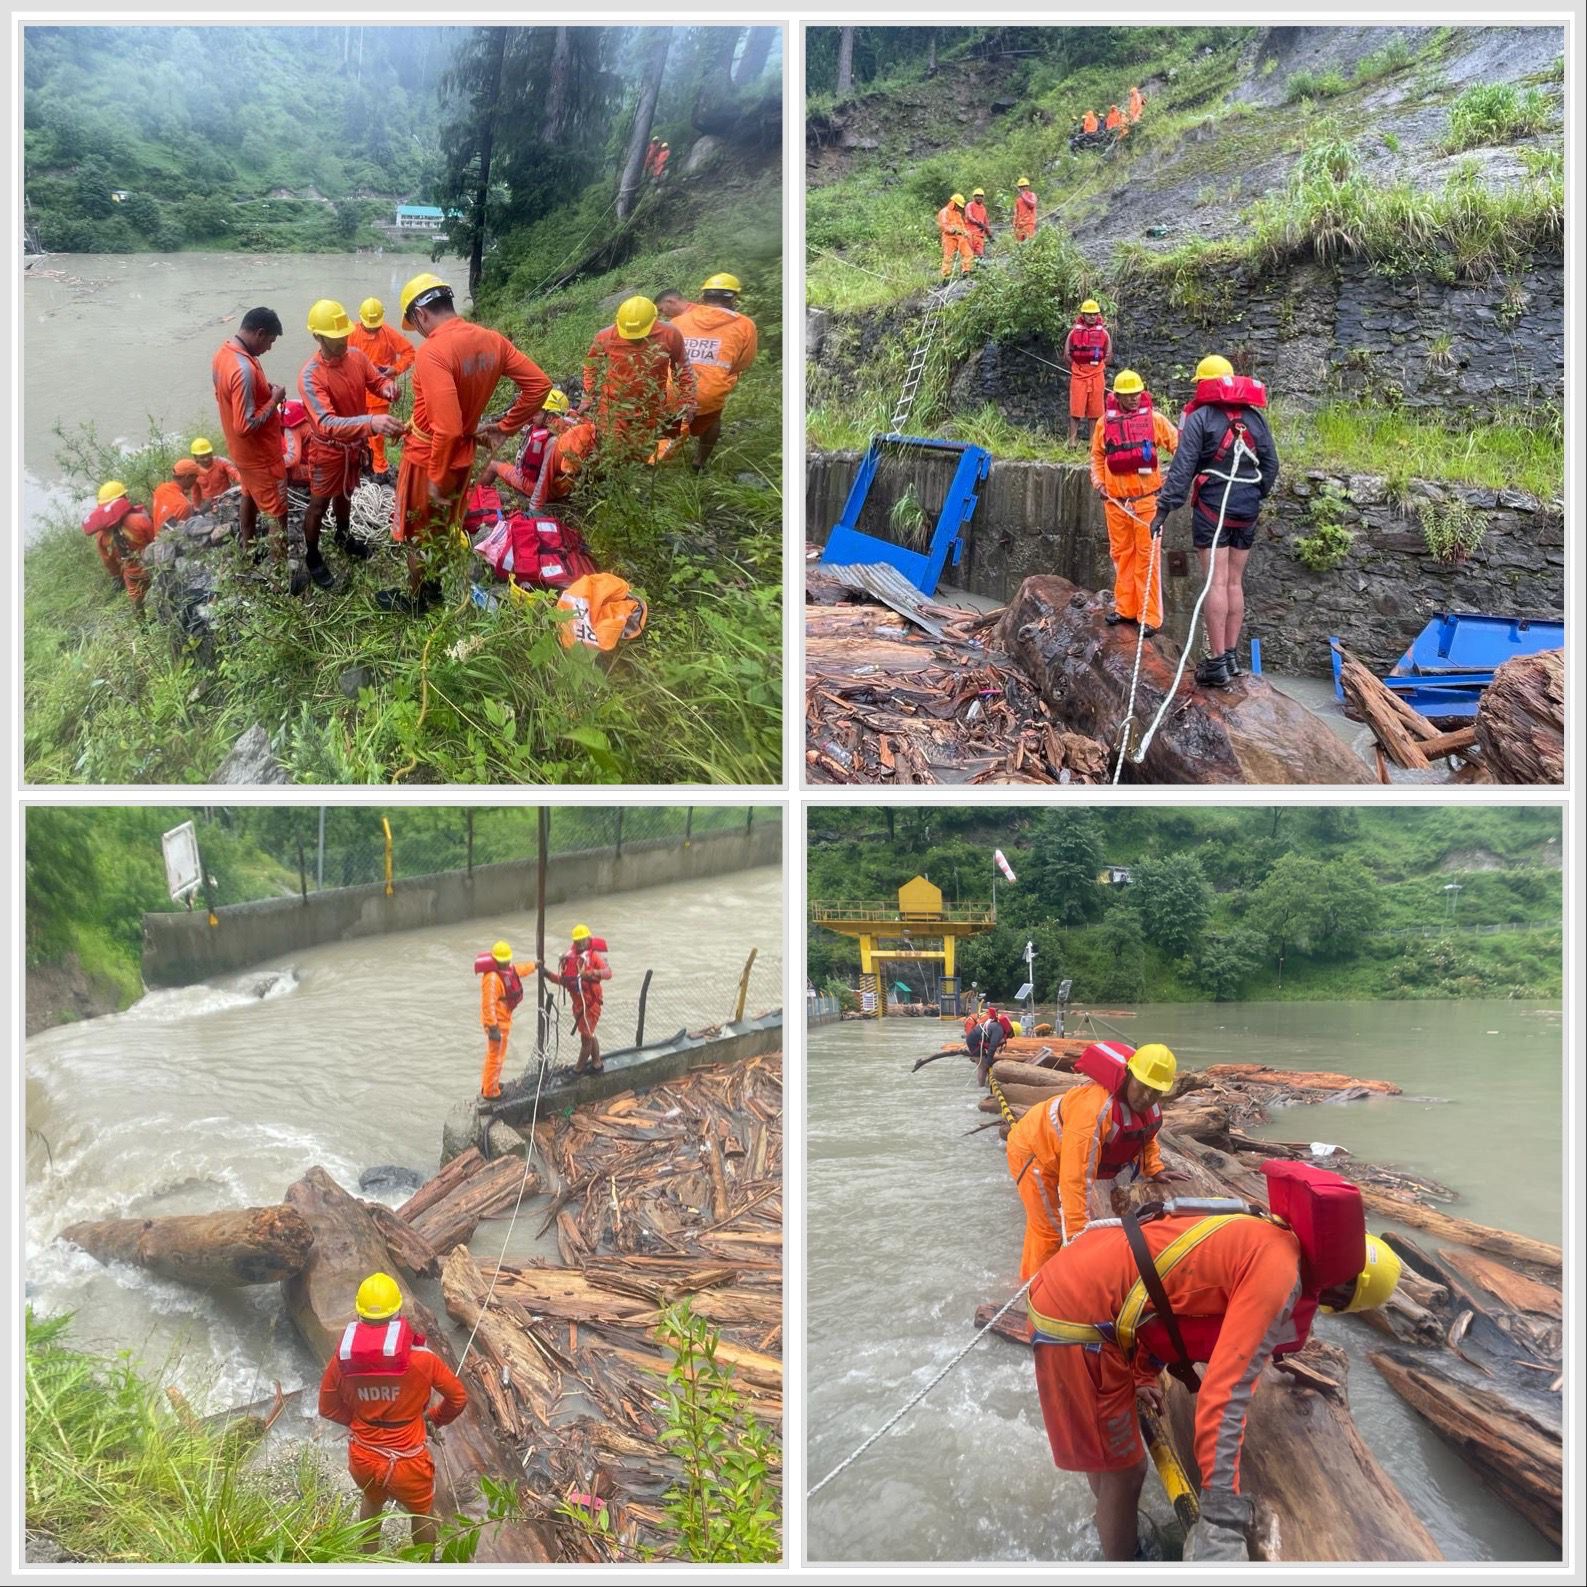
{"x":1129,"y":443}
{"x":1232,"y":395}
{"x":512,"y":982}
{"x":537,"y":441}
{"x":1087,"y":343}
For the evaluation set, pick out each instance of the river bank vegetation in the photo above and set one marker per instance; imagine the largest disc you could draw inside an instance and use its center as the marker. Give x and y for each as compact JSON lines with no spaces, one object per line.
{"x":345,"y":692}
{"x":1300,"y":903}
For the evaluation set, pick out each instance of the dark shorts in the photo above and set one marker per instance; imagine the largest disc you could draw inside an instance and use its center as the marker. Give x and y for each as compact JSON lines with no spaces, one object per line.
{"x":972,"y":1040}
{"x":1232,"y":539}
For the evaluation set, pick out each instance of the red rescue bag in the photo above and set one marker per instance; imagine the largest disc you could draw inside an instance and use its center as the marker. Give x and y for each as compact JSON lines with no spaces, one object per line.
{"x":1326,"y":1215}
{"x":483,"y":507}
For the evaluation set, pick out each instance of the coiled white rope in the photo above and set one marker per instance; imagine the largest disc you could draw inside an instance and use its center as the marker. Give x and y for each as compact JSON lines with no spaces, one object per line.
{"x":1231,"y":478}
{"x":915,"y":1400}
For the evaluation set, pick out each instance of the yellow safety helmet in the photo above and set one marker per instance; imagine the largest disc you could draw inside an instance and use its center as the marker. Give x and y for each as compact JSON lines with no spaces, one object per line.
{"x":978,"y":192}
{"x":635,"y":317}
{"x":201,"y":448}
{"x":1377,"y":1280}
{"x":378,"y":1298}
{"x":958,"y":198}
{"x":1024,"y":181}
{"x":722,"y":282}
{"x":1090,"y":306}
{"x":1155,"y":1066}
{"x":111,"y":489}
{"x":1017,"y":1027}
{"x":1127,"y":381}
{"x":1214,"y":367}
{"x":556,"y":401}
{"x":328,"y":318}
{"x":580,"y":933}
{"x":501,"y":953}
{"x":372,"y":312}
{"x":421,"y":284}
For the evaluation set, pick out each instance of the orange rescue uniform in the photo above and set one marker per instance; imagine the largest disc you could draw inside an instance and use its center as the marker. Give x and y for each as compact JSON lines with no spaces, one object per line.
{"x":1088,"y":122}
{"x":720,"y":345}
{"x":1241,"y":1269}
{"x":390,"y":352}
{"x":955,"y":241}
{"x":565,"y":456}
{"x":1130,"y":542}
{"x":454,"y":374}
{"x":213,"y":481}
{"x":1061,"y":1141}
{"x":628,"y":381}
{"x":1113,"y":118}
{"x":335,"y":395}
{"x":977,"y":219}
{"x":252,"y":425}
{"x":385,"y":1418}
{"x":1024,"y":214}
{"x":582,"y":975}
{"x":1137,"y":102}
{"x":494,"y":1013}
{"x":1088,"y":383}
{"x":118,"y":549}
{"x":169,"y":504}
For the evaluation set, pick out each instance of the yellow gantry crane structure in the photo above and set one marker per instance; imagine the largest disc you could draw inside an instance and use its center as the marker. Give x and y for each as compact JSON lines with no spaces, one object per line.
{"x":916,"y":927}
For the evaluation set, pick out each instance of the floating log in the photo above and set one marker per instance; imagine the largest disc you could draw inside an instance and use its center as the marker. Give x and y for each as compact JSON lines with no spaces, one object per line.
{"x":1319,"y":1492}
{"x":347,"y":1248}
{"x":1515,"y":1247}
{"x":1520,"y":724}
{"x":441,"y":1185}
{"x":1519,"y":1458}
{"x":411,"y":1251}
{"x":214,"y":1250}
{"x":1299,"y":1079}
{"x":1515,"y":1290}
{"x":1402,"y":733}
{"x":493,"y":1187}
{"x":1247,"y":733}
{"x":1013,"y":1072}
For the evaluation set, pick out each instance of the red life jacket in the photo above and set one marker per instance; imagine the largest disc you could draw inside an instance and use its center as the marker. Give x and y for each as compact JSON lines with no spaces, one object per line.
{"x":1108,"y":1064}
{"x":535,"y":551}
{"x":1088,"y":343}
{"x":1326,"y":1215}
{"x":107,"y":517}
{"x":378,"y":1349}
{"x":1228,"y":392}
{"x":512,"y":982}
{"x":1129,"y":443}
{"x":482,"y":507}
{"x":537,"y":442}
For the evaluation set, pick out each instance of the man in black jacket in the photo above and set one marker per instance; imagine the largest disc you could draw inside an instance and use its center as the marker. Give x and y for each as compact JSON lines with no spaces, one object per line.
{"x":1226,"y":466}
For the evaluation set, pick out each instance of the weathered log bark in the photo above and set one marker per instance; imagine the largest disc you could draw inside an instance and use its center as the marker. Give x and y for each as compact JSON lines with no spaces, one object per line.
{"x":1402,"y":733}
{"x":1247,"y":733}
{"x":1011,"y":1071}
{"x":442,"y":1184}
{"x":252,"y":1245}
{"x":1515,"y":1290}
{"x":1515,"y":1247}
{"x":347,"y":1248}
{"x":1319,"y":1492}
{"x":1521,"y":720}
{"x":1519,"y":1458}
{"x":490,"y":1189}
{"x":409,"y":1249}
{"x":1299,"y":1079}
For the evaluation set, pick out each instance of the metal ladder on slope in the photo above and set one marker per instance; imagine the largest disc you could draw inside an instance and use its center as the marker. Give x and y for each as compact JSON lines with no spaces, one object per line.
{"x":919,"y":356}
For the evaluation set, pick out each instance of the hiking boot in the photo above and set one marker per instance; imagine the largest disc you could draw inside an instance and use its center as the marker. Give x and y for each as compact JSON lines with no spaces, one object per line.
{"x":321,"y":574}
{"x":1213,"y":673}
{"x":1231,"y":661}
{"x":351,"y":546}
{"x":1150,"y":630}
{"x":403,"y":604}
{"x":1113,"y":619}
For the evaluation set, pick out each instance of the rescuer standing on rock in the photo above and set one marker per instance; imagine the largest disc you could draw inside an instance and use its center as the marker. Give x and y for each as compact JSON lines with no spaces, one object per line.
{"x":500,"y":992}
{"x":1024,"y":211}
{"x":1126,"y":455}
{"x":976,"y":219}
{"x":1226,"y":466}
{"x":629,"y":370}
{"x":1184,"y":1284}
{"x":720,"y":344}
{"x":379,"y":1386}
{"x":955,"y":237}
{"x":1088,"y":346}
{"x":250,"y":417}
{"x":214,"y":476}
{"x":1103,"y":1133}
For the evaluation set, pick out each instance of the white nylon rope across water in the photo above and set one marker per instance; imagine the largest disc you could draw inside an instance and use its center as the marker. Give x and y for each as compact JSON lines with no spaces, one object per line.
{"x":1212,"y":568}
{"x":1154,"y":552}
{"x":911,"y":1403}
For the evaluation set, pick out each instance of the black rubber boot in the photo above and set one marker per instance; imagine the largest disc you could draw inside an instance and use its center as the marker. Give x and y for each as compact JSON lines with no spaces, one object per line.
{"x":1213,"y":673}
{"x":352,"y":546}
{"x":321,"y":574}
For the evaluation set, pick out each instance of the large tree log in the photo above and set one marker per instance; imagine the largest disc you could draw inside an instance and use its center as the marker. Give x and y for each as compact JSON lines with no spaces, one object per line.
{"x":1299,"y":1079}
{"x":1247,"y":733}
{"x":1319,"y":1492}
{"x":1521,"y":720}
{"x":1515,"y":1247}
{"x":252,"y":1245}
{"x":1518,"y":1457}
{"x":442,"y":1184}
{"x":1011,"y":1072}
{"x":347,"y":1248}
{"x":492,"y":1188}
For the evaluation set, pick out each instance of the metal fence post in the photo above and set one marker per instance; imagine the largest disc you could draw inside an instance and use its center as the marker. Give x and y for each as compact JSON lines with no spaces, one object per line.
{"x":644,"y":995}
{"x":385,"y":826}
{"x":619,"y":832}
{"x":688,"y":825}
{"x":468,"y":817}
{"x":749,"y":820}
{"x":743,"y":985}
{"x":303,"y":874}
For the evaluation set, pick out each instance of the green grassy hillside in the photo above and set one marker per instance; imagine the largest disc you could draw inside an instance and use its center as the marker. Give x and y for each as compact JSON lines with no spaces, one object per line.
{"x":1356,"y":903}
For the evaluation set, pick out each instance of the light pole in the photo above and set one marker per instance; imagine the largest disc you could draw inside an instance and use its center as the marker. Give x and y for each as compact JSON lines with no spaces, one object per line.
{"x":1452,"y":891}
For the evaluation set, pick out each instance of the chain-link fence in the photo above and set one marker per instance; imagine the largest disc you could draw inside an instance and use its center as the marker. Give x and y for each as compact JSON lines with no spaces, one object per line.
{"x":308,"y":849}
{"x":820,"y":1010}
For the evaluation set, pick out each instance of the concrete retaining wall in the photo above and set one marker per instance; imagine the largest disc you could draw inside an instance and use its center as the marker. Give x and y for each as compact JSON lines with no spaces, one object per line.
{"x":181,"y":949}
{"x":1045,"y":518}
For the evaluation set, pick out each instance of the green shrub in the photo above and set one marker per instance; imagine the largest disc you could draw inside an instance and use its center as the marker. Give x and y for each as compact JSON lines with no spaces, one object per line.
{"x":1395,"y":56}
{"x":1452,"y":528}
{"x":1315,"y":85}
{"x":1490,"y":113}
{"x":1328,"y":544}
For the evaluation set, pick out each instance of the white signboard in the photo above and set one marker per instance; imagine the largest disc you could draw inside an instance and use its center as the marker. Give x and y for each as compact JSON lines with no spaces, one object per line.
{"x":867,"y":1002}
{"x":184,"y":872}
